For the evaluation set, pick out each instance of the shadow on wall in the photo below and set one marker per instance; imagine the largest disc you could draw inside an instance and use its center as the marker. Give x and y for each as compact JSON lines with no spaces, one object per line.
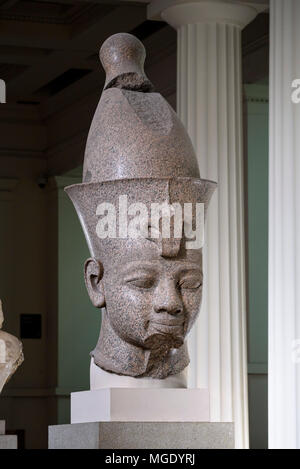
{"x":256,"y":111}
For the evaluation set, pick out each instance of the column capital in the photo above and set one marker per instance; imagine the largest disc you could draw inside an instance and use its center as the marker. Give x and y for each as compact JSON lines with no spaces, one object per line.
{"x":181,"y":12}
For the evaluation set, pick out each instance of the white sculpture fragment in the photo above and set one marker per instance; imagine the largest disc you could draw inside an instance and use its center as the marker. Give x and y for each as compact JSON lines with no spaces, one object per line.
{"x":11,"y":353}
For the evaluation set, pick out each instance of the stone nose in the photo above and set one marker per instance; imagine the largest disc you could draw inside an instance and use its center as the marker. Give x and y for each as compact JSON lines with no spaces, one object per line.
{"x":167,"y":299}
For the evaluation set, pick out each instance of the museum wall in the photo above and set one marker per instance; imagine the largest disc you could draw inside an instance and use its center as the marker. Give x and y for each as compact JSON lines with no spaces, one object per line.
{"x":256,"y":117}
{"x":23,"y":290}
{"x":78,"y":322}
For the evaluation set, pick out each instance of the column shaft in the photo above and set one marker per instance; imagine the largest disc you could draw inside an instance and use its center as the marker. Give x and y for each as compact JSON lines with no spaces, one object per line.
{"x":210,"y":106}
{"x":284,"y":228}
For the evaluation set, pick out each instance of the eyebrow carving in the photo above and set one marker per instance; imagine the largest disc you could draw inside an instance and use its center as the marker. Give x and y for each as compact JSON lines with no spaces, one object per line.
{"x":155,"y":266}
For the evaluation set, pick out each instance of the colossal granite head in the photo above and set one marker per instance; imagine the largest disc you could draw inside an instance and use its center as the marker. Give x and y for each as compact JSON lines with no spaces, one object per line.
{"x":140,"y":178}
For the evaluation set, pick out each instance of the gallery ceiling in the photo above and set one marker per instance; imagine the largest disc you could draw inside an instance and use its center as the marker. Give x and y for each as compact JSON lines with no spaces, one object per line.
{"x":47,"y":46}
{"x":49,"y":61}
{"x":56,"y":12}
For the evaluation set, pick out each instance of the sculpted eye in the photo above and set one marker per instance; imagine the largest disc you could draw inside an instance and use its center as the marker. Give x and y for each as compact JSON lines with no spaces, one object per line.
{"x":141,"y":282}
{"x":190,"y":283}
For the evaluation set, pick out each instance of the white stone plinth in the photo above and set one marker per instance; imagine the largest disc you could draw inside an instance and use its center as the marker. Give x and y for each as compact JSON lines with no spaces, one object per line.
{"x":8,"y":442}
{"x":140,"y":405}
{"x":2,"y":427}
{"x":142,"y":435}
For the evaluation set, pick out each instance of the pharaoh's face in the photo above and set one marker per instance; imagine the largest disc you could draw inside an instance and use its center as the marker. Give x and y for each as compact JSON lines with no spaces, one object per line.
{"x":153,"y":301}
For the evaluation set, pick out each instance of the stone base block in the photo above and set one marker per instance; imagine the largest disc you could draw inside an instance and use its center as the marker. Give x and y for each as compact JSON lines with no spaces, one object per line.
{"x":2,"y":427}
{"x":142,"y":435}
{"x":140,"y":405}
{"x":8,"y":442}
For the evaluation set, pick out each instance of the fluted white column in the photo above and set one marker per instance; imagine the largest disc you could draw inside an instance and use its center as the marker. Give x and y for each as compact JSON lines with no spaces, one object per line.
{"x":209,"y":102}
{"x":284,"y":228}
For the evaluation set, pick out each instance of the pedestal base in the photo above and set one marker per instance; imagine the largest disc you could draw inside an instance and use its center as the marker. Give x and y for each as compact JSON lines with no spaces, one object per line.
{"x":140,"y":405}
{"x":8,"y":442}
{"x":142,"y":435}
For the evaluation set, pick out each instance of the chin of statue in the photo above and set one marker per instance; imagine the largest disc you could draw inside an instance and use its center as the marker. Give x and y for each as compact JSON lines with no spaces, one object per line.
{"x":162,"y":338}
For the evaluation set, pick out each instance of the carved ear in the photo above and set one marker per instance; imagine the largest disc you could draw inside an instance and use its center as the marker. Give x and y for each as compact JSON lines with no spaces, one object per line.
{"x":93,"y":272}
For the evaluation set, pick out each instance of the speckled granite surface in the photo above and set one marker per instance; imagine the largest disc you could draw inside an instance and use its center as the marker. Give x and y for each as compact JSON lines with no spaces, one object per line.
{"x":142,"y":435}
{"x":150,"y":288}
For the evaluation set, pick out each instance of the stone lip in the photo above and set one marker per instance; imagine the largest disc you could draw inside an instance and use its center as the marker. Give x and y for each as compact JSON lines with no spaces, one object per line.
{"x":205,"y":182}
{"x":202,"y":189}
